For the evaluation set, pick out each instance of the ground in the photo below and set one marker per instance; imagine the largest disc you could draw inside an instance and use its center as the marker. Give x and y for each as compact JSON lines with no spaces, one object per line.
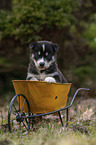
{"x":81,"y":129}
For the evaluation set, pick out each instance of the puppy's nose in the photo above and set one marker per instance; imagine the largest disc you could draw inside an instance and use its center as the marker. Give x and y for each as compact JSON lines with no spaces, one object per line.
{"x":42,"y":64}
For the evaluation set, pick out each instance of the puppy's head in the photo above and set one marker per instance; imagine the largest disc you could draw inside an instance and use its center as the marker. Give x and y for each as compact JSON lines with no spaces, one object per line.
{"x":43,"y":53}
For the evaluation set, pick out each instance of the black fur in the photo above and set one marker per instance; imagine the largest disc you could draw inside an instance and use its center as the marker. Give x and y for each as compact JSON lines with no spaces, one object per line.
{"x":52,"y":70}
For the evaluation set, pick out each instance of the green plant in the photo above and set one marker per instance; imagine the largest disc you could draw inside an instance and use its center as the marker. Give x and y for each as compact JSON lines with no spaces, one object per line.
{"x":30,"y":17}
{"x":90,"y":34}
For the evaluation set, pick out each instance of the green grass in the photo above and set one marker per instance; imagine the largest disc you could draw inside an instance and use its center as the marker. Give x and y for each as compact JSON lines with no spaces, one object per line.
{"x":81,"y":129}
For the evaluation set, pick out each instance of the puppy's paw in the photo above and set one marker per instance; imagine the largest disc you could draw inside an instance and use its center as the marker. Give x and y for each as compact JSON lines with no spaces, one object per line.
{"x":50,"y":80}
{"x":33,"y":79}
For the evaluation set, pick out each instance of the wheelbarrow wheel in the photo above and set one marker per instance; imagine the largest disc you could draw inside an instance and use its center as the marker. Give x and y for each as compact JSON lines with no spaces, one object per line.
{"x":17,"y":118}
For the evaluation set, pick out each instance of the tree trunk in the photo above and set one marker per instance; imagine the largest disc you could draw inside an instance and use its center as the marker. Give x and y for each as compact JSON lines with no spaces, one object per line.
{"x":5,"y":4}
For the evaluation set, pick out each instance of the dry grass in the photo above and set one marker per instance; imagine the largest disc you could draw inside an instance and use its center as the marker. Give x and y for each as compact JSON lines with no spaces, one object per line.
{"x":81,"y":129}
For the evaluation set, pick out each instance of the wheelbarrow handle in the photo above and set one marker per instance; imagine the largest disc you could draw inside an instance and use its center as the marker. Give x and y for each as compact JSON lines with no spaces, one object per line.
{"x":85,"y":89}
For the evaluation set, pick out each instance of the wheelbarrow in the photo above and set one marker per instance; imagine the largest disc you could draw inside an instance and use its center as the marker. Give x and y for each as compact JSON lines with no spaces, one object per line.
{"x":37,"y":98}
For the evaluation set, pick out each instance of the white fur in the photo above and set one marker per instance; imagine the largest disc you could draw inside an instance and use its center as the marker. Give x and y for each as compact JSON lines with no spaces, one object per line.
{"x":42,"y":76}
{"x":43,"y":47}
{"x":32,"y":56}
{"x":50,"y":80}
{"x":33,"y":79}
{"x":47,"y":64}
{"x":40,"y":61}
{"x":37,"y":63}
{"x":39,"y":52}
{"x":46,"y":54}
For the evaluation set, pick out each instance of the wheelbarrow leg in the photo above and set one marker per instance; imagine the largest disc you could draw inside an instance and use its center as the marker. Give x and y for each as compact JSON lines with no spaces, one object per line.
{"x":67,"y":117}
{"x":32,"y":121}
{"x":60,"y":117}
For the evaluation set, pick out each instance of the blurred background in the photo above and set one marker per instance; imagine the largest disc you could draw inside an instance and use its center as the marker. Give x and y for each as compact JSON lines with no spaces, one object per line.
{"x":69,"y":23}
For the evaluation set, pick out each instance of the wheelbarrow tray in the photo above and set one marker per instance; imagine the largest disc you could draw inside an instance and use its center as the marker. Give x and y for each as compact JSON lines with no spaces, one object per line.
{"x":42,"y":97}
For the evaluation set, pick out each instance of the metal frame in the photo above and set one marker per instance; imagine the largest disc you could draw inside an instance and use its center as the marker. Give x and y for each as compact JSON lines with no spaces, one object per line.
{"x":44,"y":114}
{"x":19,"y":113}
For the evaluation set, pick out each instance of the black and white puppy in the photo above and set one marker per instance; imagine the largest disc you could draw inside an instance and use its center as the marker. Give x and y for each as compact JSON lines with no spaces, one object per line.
{"x":43,"y":66}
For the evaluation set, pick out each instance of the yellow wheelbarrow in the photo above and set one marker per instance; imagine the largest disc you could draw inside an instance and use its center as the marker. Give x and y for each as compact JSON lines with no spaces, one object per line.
{"x":36,"y":98}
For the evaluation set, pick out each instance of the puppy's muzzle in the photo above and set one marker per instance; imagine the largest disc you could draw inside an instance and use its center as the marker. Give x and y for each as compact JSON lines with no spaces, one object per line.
{"x":42,"y":64}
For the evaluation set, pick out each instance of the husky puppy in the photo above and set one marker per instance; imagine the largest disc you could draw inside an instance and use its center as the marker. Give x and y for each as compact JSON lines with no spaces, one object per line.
{"x":43,"y":66}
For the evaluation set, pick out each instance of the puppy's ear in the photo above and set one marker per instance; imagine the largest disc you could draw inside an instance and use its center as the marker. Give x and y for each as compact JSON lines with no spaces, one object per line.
{"x":55,"y":47}
{"x":31,"y":45}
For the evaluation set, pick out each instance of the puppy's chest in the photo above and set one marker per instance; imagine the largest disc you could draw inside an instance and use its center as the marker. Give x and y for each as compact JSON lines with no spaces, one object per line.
{"x":41,"y":76}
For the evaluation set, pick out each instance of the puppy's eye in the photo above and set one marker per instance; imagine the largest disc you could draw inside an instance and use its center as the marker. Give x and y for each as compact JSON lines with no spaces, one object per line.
{"x":37,"y":55}
{"x":48,"y":57}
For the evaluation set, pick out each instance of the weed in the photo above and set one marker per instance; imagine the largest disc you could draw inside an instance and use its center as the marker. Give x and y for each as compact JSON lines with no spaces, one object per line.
{"x":48,"y":131}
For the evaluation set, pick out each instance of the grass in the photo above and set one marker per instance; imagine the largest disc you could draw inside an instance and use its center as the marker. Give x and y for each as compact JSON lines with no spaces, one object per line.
{"x":81,"y":129}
